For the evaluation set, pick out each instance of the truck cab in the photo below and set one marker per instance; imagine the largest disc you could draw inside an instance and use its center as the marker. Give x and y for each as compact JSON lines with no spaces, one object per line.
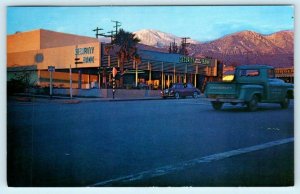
{"x":250,"y":85}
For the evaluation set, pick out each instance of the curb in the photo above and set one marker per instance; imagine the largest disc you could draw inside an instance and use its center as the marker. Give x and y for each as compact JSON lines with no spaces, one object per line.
{"x":70,"y":101}
{"x":133,"y":99}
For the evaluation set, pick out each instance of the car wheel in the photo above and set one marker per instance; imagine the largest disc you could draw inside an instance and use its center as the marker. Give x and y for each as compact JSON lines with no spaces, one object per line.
{"x":177,"y":95}
{"x":217,"y":105}
{"x":285,"y":103}
{"x":252,"y":104}
{"x":195,"y":95}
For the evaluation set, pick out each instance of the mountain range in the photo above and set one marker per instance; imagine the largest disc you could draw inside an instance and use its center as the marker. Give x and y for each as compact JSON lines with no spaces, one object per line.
{"x":246,"y":47}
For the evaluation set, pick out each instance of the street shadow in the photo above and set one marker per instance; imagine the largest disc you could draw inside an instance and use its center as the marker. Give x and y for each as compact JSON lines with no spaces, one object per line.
{"x":260,"y":108}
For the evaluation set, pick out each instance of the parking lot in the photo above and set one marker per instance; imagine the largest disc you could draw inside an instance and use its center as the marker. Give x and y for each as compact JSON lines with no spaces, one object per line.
{"x":149,"y":143}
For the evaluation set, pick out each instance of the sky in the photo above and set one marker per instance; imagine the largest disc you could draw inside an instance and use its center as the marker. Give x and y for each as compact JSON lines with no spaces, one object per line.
{"x":202,"y":23}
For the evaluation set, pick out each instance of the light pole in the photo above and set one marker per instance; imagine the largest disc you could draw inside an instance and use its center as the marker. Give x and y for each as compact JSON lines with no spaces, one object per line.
{"x":71,"y":92}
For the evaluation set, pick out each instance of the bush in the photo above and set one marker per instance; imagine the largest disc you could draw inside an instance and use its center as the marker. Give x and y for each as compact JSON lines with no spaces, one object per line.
{"x":15,"y":86}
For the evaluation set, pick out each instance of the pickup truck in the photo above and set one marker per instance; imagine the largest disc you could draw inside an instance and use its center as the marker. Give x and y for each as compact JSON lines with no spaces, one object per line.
{"x":250,"y":85}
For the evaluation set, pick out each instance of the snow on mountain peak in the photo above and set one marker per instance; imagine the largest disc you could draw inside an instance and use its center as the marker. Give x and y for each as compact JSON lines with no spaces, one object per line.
{"x":159,"y":39}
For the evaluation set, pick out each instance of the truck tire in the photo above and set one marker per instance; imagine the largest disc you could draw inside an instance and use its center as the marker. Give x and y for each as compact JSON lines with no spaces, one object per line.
{"x":217,"y":105}
{"x":285,"y":103}
{"x":252,"y":104}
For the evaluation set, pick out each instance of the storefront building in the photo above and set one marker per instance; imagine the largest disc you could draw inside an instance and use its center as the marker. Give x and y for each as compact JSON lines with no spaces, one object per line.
{"x":285,"y":73}
{"x":34,"y":52}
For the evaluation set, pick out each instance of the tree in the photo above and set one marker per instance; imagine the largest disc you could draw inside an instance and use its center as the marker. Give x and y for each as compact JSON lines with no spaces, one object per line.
{"x":127,"y":43}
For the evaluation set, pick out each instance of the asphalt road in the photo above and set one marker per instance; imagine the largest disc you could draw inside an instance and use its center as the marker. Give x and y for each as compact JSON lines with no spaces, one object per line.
{"x":149,"y":143}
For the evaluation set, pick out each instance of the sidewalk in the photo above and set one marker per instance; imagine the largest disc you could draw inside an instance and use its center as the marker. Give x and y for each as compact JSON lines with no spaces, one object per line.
{"x":24,"y":97}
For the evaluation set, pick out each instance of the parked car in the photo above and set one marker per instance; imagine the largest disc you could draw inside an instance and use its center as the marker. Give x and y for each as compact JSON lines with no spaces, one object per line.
{"x":251,"y":85}
{"x":180,"y":90}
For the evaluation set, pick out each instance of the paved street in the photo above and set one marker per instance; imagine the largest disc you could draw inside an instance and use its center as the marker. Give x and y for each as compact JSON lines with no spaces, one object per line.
{"x":149,"y":143}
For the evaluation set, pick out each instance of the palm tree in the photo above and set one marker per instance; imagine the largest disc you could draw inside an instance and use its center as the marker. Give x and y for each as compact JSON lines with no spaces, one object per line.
{"x":127,"y":43}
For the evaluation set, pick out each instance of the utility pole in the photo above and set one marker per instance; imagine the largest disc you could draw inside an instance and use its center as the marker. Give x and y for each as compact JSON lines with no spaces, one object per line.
{"x":118,"y":24}
{"x":71,"y":93}
{"x":97,"y":31}
{"x":111,"y":35}
{"x":184,"y":44}
{"x":51,"y":69}
{"x":100,"y":34}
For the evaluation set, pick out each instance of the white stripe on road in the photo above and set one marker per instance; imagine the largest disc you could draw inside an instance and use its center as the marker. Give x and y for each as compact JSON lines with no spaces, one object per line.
{"x":187,"y":164}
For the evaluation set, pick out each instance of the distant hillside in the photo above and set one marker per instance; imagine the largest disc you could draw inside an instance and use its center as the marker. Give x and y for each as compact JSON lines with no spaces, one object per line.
{"x":249,"y":47}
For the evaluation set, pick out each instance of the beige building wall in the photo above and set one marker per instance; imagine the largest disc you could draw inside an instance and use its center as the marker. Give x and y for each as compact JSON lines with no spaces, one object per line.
{"x":57,"y":49}
{"x":50,"y":39}
{"x":23,"y":41}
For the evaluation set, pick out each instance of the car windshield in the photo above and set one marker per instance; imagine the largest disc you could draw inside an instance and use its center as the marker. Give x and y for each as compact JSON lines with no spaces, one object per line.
{"x":177,"y":86}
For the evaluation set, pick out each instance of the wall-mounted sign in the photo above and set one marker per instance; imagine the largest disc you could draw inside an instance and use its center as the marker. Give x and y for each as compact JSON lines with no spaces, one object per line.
{"x":88,"y":59}
{"x":84,"y":51}
{"x":39,"y":58}
{"x":87,"y":52}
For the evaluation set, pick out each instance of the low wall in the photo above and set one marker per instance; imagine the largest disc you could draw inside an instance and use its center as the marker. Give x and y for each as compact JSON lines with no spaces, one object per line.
{"x":123,"y":93}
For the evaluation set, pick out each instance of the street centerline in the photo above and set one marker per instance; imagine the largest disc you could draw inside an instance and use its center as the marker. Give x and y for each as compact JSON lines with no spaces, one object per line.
{"x":189,"y":163}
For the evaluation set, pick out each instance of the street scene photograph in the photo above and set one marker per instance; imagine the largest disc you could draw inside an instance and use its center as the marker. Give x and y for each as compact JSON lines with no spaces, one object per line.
{"x":150,"y":96}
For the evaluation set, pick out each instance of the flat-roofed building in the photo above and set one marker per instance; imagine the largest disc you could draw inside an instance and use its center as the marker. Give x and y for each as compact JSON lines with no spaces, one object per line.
{"x":38,"y":49}
{"x":35,"y":51}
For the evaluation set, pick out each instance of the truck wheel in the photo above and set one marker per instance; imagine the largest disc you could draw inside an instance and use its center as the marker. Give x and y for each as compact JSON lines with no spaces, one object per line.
{"x":217,"y":105}
{"x":195,"y":95}
{"x":252,"y":104}
{"x":285,"y":103}
{"x":177,"y":95}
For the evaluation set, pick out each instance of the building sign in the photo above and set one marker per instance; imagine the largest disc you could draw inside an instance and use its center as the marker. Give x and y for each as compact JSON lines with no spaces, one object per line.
{"x":51,"y":68}
{"x":280,"y":71}
{"x":83,"y":51}
{"x":202,"y":61}
{"x":86,"y":52}
{"x":186,"y":59}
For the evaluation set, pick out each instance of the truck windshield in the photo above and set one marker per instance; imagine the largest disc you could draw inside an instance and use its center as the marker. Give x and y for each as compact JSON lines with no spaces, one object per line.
{"x":228,"y":76}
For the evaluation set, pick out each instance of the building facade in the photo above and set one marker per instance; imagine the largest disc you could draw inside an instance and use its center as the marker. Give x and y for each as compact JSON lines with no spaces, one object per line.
{"x":35,"y":51}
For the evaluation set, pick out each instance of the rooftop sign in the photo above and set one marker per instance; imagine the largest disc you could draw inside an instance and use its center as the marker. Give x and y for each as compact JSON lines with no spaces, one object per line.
{"x":187,"y":59}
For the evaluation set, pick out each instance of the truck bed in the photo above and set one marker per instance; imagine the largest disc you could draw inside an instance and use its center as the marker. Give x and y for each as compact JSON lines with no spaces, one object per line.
{"x":221,"y":90}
